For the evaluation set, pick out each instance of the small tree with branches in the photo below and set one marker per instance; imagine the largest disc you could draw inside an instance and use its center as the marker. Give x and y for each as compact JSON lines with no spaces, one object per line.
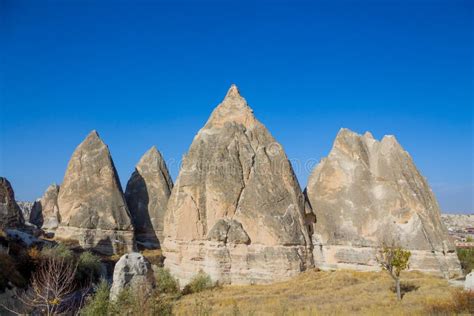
{"x":53,"y":289}
{"x":394,"y":259}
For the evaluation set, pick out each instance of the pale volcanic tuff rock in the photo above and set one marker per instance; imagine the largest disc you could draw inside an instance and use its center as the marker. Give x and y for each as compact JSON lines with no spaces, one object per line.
{"x":10,"y":212}
{"x":368,"y":192}
{"x":132,"y":271}
{"x":45,"y":212}
{"x":26,"y":208}
{"x":236,"y":211}
{"x":147,"y":194}
{"x":91,"y":204}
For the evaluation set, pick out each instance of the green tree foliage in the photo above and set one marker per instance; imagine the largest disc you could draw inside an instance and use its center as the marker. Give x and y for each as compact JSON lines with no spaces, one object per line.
{"x":466,"y":256}
{"x":394,"y":260}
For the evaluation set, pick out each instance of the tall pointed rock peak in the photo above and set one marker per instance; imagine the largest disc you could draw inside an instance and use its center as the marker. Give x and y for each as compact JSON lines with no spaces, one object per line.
{"x":91,"y":202}
{"x":45,"y":212}
{"x":151,"y":154}
{"x":233,"y":92}
{"x":93,"y":136}
{"x":232,"y":110}
{"x":236,"y":206}
{"x":10,"y":213}
{"x":369,"y":192}
{"x":147,"y":193}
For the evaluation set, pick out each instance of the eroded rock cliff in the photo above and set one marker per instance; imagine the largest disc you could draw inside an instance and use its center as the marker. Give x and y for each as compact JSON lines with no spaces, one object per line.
{"x":369,"y":192}
{"x":147,"y":194}
{"x":236,"y":211}
{"x":91,"y":204}
{"x":10,"y":213}
{"x":45,"y":211}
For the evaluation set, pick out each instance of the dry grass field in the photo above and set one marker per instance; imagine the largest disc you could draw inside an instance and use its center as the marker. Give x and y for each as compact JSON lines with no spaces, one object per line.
{"x":331,"y":293}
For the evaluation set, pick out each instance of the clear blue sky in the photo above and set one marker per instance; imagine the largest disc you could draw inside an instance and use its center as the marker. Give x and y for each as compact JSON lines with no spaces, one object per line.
{"x":149,"y":73}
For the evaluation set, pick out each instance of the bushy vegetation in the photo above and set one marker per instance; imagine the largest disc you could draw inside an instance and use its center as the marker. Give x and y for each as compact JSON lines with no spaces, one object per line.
{"x":127,"y":303}
{"x":58,"y":251}
{"x":165,"y":282}
{"x":88,"y":268}
{"x":466,"y":256}
{"x":154,"y":256}
{"x":199,"y":283}
{"x":32,"y":270}
{"x":461,"y":303}
{"x":9,"y":272}
{"x":98,"y":304}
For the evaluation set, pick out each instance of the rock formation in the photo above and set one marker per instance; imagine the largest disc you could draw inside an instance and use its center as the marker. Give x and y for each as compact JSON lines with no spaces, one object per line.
{"x":10,"y":212}
{"x":236,"y":211}
{"x":91,"y":204}
{"x":368,"y":192}
{"x":132,"y":271}
{"x":469,"y":282}
{"x":147,"y":195}
{"x":45,"y":212}
{"x":26,"y":208}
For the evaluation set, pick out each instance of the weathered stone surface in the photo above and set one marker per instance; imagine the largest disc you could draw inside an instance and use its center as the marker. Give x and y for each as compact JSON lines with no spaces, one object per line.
{"x":469,"y":282}
{"x":45,"y":212}
{"x":91,"y":204}
{"x":132,"y":271}
{"x":236,"y":211}
{"x":25,"y":207}
{"x":147,"y":194}
{"x":368,"y":192}
{"x":10,"y":212}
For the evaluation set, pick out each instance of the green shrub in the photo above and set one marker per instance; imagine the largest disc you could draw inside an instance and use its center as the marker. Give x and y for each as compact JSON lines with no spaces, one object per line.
{"x":98,"y":304}
{"x":165,"y":282}
{"x":58,"y":251}
{"x":137,"y":303}
{"x":200,"y":282}
{"x":466,"y":256}
{"x":88,"y":267}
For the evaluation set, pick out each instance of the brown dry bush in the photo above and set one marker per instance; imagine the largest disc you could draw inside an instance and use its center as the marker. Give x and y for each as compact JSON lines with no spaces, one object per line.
{"x":460,"y":302}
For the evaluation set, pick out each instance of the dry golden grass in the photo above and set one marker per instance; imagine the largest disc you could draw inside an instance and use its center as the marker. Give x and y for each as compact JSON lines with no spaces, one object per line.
{"x":327,"y":293}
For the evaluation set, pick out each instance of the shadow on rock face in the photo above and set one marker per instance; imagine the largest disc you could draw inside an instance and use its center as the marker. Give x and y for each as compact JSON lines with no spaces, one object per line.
{"x":138,"y":202}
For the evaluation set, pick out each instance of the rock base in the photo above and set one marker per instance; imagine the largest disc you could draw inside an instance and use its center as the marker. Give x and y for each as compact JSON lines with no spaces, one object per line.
{"x":233,"y":263}
{"x":335,"y":257}
{"x":106,"y":242}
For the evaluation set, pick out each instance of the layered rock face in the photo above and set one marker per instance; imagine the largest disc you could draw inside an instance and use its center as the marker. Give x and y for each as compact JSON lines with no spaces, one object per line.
{"x":45,"y":212}
{"x":236,"y":211}
{"x":368,"y":192}
{"x":10,"y":212}
{"x":91,"y":204}
{"x":147,"y":194}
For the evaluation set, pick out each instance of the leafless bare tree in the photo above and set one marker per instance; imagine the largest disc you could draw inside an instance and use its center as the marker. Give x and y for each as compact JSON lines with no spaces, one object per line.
{"x":53,"y":290}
